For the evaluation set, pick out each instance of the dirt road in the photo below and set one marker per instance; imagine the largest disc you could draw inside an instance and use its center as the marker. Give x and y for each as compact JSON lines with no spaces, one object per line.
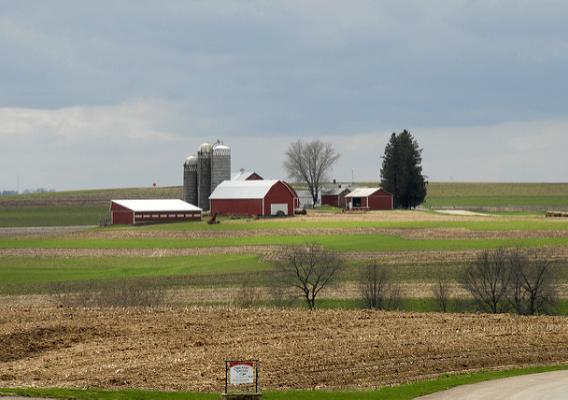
{"x":549,"y":386}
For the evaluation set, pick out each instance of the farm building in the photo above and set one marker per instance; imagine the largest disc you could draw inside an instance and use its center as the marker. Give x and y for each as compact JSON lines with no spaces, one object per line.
{"x":369,"y":199}
{"x":243,"y":175}
{"x":335,"y":197}
{"x":134,"y":212}
{"x":306,"y":199}
{"x":254,"y":197}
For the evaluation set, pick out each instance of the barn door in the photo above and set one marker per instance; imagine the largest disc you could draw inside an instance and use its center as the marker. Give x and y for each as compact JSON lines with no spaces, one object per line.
{"x":274,"y":208}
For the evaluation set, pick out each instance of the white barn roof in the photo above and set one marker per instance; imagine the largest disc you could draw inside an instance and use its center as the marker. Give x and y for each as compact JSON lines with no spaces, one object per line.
{"x":167,"y":205}
{"x":242,"y":189}
{"x":363,"y":192}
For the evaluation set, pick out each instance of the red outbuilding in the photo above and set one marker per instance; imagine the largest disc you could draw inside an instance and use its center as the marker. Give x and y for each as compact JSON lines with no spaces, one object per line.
{"x":254,"y":197}
{"x":134,"y":212}
{"x":369,"y":199}
{"x":243,"y":175}
{"x":334,"y":197}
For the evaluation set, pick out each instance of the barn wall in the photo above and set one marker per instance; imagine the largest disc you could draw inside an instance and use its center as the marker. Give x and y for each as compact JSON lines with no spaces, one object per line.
{"x":163,"y":216}
{"x":279,"y":193}
{"x":329,"y":200}
{"x":244,"y":207}
{"x":335,"y":200}
{"x":341,"y":200}
{"x":120,"y":215}
{"x":380,"y":201}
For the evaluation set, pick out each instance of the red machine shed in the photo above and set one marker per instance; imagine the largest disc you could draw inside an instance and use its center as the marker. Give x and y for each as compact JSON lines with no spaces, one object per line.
{"x":369,"y":199}
{"x":134,"y":212}
{"x":335,"y":197}
{"x":254,"y":197}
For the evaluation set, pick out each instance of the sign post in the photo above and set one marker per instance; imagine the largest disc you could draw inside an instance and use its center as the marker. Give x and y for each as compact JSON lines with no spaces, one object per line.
{"x":243,"y":375}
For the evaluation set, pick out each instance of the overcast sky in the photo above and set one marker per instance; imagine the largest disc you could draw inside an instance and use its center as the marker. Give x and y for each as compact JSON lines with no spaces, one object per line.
{"x":98,"y":94}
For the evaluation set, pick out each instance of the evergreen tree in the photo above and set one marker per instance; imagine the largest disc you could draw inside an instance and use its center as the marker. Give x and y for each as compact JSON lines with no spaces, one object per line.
{"x":401,"y":172}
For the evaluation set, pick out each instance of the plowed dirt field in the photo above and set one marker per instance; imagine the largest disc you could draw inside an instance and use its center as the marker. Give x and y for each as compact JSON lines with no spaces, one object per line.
{"x":185,"y":349}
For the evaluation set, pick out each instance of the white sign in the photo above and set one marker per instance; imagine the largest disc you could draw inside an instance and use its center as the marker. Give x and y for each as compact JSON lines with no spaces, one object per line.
{"x":242,"y":373}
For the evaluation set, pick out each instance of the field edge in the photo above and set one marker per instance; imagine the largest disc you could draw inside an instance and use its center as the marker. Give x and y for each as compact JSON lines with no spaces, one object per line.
{"x":405,"y":391}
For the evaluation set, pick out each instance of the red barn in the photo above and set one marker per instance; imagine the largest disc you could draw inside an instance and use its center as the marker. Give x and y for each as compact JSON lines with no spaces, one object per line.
{"x":254,"y":197}
{"x":134,"y":212}
{"x":335,"y":197}
{"x":369,"y":199}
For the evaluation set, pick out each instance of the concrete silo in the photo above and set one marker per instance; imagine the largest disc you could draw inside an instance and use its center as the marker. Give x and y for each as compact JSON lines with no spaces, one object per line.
{"x":220,"y":165}
{"x":204,"y":175}
{"x":190,"y":180}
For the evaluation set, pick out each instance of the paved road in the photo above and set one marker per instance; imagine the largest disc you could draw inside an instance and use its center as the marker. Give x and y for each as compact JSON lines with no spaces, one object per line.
{"x":545,"y":386}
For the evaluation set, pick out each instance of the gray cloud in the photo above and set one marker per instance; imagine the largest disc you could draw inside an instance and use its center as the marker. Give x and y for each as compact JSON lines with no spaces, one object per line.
{"x":132,"y":81}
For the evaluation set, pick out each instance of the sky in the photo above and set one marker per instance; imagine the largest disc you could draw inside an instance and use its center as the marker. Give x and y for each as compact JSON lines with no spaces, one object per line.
{"x":118,"y":93}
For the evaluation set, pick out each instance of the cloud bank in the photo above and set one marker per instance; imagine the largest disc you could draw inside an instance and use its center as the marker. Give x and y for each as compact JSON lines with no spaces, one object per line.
{"x":112,"y":94}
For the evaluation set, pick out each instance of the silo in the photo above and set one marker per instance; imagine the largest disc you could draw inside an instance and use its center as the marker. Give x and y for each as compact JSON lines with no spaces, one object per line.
{"x":220,"y":165}
{"x":190,"y":180}
{"x":204,"y":175}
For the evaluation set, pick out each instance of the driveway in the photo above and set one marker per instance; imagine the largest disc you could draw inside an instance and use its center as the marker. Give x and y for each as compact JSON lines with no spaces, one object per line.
{"x":545,"y":386}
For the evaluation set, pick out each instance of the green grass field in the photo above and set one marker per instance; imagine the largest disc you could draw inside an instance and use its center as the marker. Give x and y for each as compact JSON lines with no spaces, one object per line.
{"x":401,"y":392}
{"x":92,"y":195}
{"x":378,"y":243}
{"x":537,"y":196}
{"x":508,"y":223}
{"x":17,"y":271}
{"x":51,"y":216}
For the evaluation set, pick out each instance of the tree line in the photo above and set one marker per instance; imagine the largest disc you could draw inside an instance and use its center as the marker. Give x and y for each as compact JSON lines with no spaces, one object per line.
{"x":498,"y":281}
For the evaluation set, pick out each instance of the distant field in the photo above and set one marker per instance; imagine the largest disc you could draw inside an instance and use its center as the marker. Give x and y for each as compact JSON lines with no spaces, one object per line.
{"x":95,"y":197}
{"x":527,"y":196}
{"x":51,"y":216}
{"x":82,"y":207}
{"x":87,"y":207}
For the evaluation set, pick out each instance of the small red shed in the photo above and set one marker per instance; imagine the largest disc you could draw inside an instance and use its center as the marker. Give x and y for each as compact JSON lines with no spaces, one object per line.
{"x":335,"y":197}
{"x":369,"y":199}
{"x":246,"y":176}
{"x":134,"y":212}
{"x":254,"y":197}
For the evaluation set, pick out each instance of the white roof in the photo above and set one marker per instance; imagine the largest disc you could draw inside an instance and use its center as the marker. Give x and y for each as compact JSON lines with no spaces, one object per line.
{"x":168,"y":205}
{"x":242,"y":189}
{"x":241,"y":176}
{"x":363,"y":192}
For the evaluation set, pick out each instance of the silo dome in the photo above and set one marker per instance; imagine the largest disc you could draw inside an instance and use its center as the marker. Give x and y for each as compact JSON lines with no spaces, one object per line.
{"x":205,"y":148}
{"x":220,"y":147}
{"x":191,"y":160}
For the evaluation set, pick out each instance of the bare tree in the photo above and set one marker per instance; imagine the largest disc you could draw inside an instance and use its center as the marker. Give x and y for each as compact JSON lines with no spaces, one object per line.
{"x":441,"y":291}
{"x":532,"y":284}
{"x":309,"y":268}
{"x":377,"y":290}
{"x":487,"y":279}
{"x":310,"y":162}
